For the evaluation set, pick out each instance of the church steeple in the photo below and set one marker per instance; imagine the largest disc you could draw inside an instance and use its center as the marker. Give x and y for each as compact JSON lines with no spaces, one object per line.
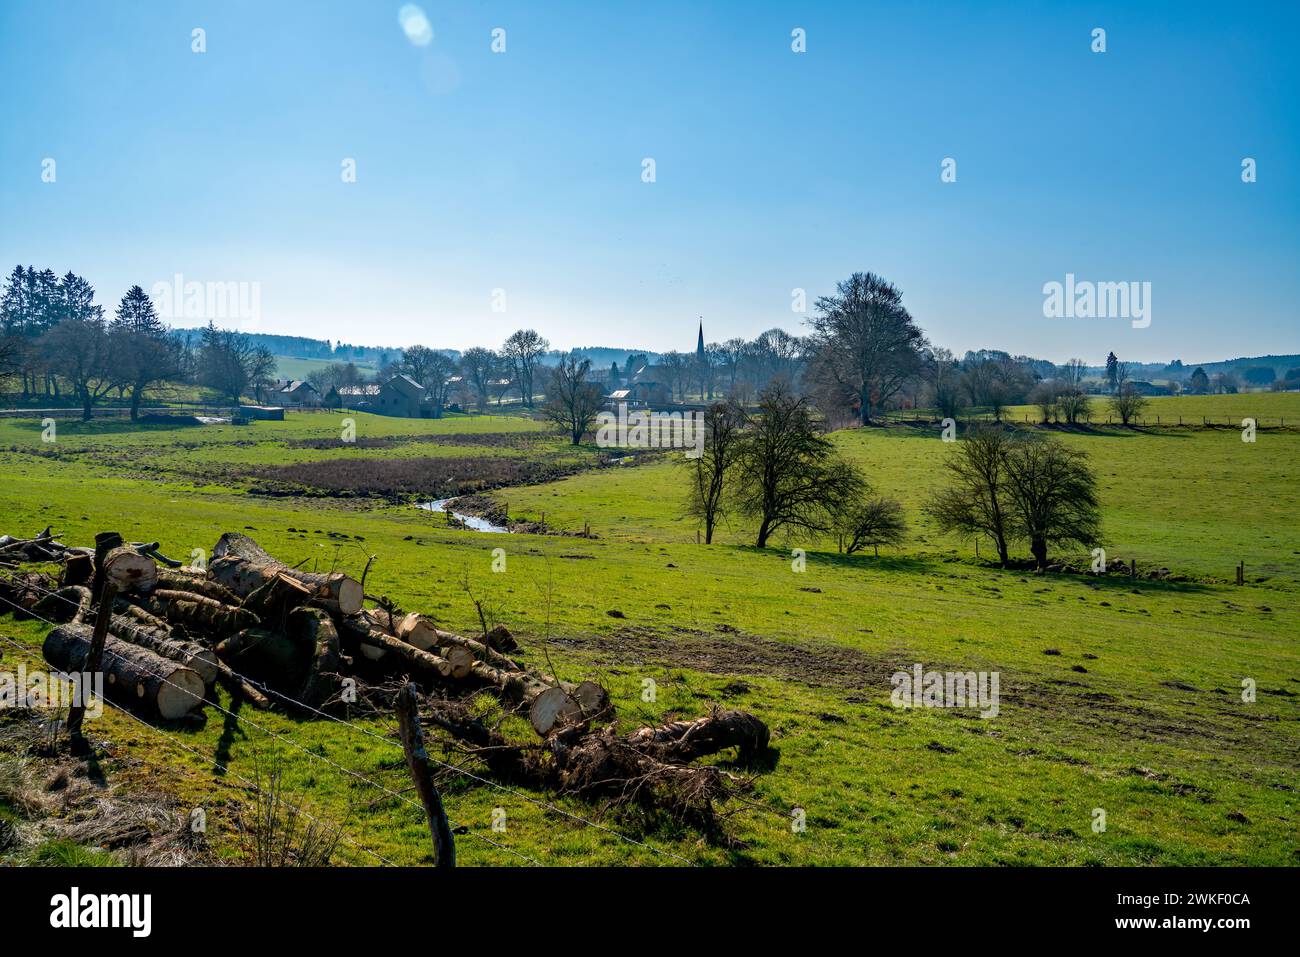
{"x":699,"y":345}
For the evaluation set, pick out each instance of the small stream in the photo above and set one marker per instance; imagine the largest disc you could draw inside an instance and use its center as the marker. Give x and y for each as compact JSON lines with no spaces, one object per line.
{"x":471,"y":521}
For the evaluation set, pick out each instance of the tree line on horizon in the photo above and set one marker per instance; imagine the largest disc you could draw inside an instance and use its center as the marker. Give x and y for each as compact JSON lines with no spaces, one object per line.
{"x":864,"y":355}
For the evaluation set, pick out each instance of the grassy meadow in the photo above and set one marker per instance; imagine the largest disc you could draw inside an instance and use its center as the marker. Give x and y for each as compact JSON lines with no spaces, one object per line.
{"x":1117,"y":693}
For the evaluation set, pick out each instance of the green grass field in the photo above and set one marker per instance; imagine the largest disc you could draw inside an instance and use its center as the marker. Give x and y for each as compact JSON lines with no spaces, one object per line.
{"x":1117,"y":694}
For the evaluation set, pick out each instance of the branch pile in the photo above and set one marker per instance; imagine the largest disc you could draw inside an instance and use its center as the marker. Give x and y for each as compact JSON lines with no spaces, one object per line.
{"x":305,"y":641}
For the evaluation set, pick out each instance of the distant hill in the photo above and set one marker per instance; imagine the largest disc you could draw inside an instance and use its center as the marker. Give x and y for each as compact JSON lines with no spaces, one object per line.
{"x":300,"y":347}
{"x":1179,"y":370}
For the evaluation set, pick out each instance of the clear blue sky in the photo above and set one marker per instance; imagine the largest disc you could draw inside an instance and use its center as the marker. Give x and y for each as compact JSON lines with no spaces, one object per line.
{"x":775,"y":170}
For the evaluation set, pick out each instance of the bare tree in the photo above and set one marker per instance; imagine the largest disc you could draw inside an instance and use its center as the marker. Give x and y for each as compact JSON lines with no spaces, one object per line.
{"x":437,"y":381}
{"x":865,"y":340}
{"x":480,"y":367}
{"x":1044,"y":396}
{"x":1072,"y":402}
{"x":572,"y":398}
{"x":712,"y":470}
{"x":1053,"y":494}
{"x":876,"y":521}
{"x":416,"y":362}
{"x":228,"y":362}
{"x":975,"y":504}
{"x":729,"y":356}
{"x":676,"y":368}
{"x":944,"y":375}
{"x":82,"y":352}
{"x":523,"y":350}
{"x":788,"y":474}
{"x":1127,"y":401}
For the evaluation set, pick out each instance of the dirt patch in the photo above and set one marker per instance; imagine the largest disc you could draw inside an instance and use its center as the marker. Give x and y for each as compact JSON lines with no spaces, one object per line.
{"x":735,"y":653}
{"x":501,"y":440}
{"x":404,"y":479}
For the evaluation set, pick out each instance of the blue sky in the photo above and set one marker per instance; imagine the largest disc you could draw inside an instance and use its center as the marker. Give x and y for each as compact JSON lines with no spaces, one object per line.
{"x":775,"y":170}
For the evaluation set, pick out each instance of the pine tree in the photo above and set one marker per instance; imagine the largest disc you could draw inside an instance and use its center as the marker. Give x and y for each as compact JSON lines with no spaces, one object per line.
{"x":136,"y":313}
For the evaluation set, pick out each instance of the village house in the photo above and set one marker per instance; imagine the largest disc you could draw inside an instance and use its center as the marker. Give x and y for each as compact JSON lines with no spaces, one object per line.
{"x":401,"y":395}
{"x":351,"y":396}
{"x":642,"y":394}
{"x":293,"y":394}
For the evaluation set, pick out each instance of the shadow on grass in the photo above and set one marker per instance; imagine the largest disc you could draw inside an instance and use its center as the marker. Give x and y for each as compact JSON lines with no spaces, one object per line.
{"x":76,"y":427}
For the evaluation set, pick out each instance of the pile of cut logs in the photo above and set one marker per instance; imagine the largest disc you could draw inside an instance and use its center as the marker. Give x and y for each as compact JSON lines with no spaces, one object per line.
{"x":279,"y":636}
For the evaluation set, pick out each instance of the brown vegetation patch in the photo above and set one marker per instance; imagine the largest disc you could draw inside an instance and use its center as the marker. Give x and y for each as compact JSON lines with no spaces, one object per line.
{"x":505,"y":440}
{"x":734,"y":653}
{"x":403,"y":479}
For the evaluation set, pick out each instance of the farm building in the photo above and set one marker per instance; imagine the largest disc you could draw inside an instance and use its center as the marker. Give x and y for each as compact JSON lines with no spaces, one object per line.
{"x":294,"y":393}
{"x":351,"y":396}
{"x":400,"y":395}
{"x":642,"y":394}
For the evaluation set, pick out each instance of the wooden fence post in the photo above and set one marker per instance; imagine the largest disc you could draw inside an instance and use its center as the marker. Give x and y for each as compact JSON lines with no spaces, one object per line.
{"x":1241,"y":573}
{"x":91,"y":665}
{"x":417,"y":760}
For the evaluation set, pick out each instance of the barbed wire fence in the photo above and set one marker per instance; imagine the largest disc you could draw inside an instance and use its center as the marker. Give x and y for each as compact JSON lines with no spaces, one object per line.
{"x":547,"y":806}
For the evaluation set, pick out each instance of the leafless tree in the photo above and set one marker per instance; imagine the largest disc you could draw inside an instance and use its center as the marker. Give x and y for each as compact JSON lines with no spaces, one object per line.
{"x":676,"y":369}
{"x":83,"y":353}
{"x":437,"y":381}
{"x":1053,"y":494}
{"x":711,"y":472}
{"x":788,"y":475}
{"x":523,"y":350}
{"x":865,"y":340}
{"x":480,"y":367}
{"x":975,"y":503}
{"x":875,"y":521}
{"x":572,"y":398}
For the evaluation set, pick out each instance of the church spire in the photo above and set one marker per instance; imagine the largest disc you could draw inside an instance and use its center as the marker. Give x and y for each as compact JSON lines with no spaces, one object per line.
{"x":699,"y":345}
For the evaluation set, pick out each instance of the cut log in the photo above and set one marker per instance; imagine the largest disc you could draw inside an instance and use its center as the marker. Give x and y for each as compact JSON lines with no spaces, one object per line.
{"x":277,"y":596}
{"x":202,"y":661}
{"x":129,"y":570}
{"x":78,"y":569}
{"x":480,"y":651}
{"x":552,"y":709}
{"x":70,"y":603}
{"x":417,"y":630}
{"x":360,"y":629}
{"x":314,"y":629}
{"x":242,"y":565}
{"x":524,"y":688}
{"x":193,"y":580}
{"x":593,"y":698}
{"x":202,"y":617}
{"x":134,"y":677}
{"x":124,"y":607}
{"x":461,"y":660}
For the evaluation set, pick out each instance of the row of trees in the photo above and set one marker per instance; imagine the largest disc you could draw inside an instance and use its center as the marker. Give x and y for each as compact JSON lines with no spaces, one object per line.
{"x":55,"y":337}
{"x":775,"y":468}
